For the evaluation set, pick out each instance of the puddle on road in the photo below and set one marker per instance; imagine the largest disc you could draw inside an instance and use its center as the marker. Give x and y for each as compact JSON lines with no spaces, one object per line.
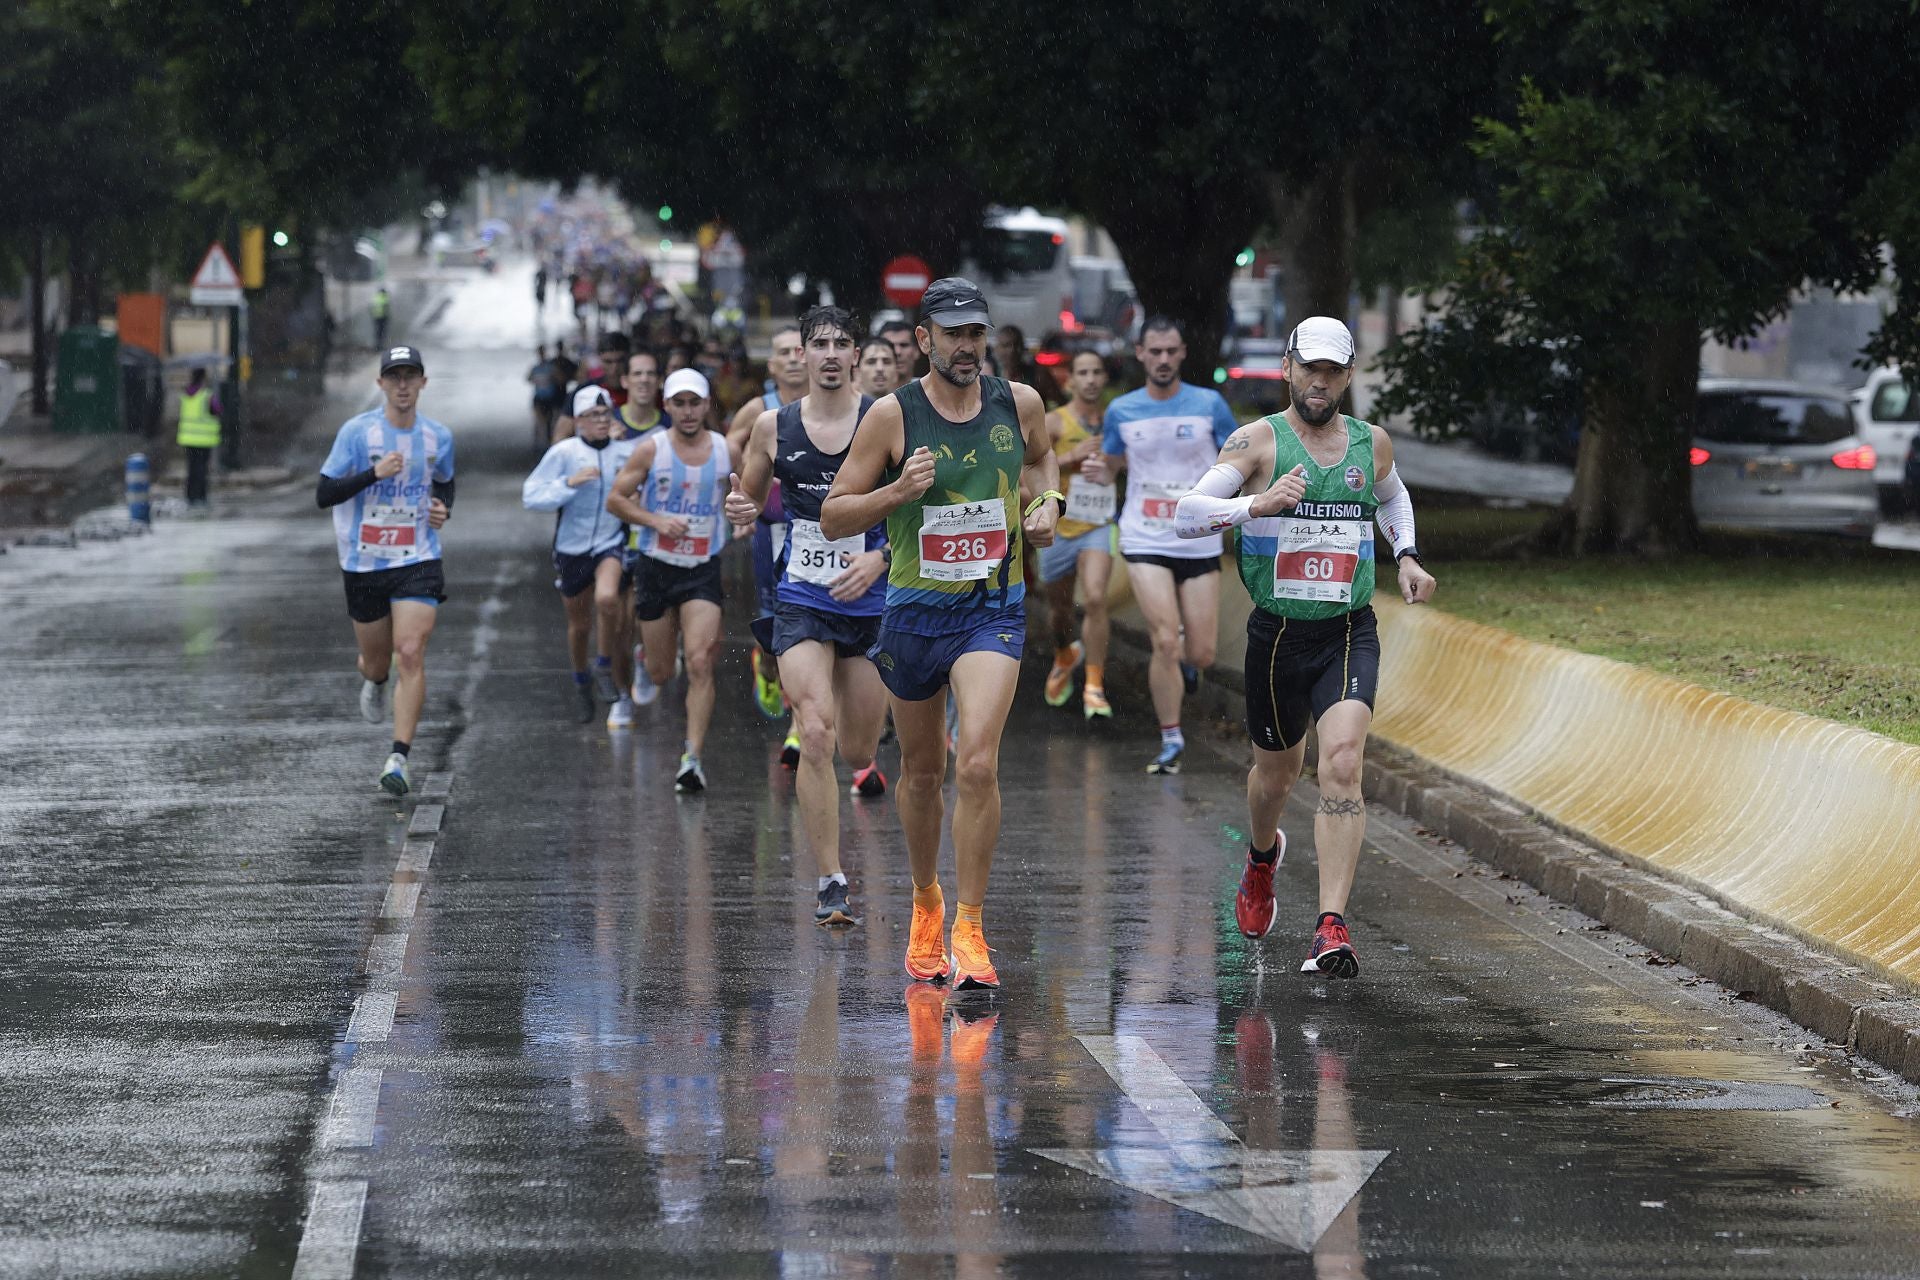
{"x":1622,"y":1092}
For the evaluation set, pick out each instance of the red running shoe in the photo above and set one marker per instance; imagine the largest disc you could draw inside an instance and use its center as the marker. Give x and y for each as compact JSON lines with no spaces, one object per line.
{"x":1332,"y":952}
{"x":1254,"y":906}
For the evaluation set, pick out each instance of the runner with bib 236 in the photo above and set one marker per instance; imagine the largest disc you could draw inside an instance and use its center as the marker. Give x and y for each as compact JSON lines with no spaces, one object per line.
{"x":1306,"y":486}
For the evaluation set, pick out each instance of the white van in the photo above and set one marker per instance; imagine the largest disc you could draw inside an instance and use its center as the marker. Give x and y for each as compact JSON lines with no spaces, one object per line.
{"x":1023,"y":267}
{"x":1886,"y":414}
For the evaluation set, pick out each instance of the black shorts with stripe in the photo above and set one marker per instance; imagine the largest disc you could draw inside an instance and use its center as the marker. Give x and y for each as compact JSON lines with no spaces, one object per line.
{"x":1296,"y":671}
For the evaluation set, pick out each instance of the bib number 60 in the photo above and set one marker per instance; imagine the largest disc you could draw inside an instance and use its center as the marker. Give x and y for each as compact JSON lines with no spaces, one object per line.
{"x":1318,"y":569}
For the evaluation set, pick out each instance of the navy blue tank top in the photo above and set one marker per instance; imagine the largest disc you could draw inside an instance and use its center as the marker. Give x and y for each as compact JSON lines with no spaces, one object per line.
{"x":808,"y":562}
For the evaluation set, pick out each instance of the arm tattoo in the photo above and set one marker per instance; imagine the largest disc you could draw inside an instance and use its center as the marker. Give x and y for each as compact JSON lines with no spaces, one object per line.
{"x":1237,"y":445}
{"x":1342,"y":808}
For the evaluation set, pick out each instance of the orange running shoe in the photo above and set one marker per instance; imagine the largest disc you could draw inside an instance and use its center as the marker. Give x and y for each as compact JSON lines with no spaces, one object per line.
{"x":926,"y":958}
{"x":1060,"y":679}
{"x":973,"y":967}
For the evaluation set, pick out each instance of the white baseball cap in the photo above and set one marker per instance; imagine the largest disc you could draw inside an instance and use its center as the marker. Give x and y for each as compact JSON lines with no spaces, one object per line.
{"x":686,"y":380}
{"x":591,"y":397}
{"x":1321,"y":338}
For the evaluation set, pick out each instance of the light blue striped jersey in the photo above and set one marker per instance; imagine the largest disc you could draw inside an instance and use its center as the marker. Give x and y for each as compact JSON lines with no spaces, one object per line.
{"x":384,"y":526}
{"x":693,"y":492}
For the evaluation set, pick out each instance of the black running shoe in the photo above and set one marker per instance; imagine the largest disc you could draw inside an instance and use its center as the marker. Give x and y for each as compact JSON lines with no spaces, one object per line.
{"x":833,"y":908}
{"x":1190,"y":678}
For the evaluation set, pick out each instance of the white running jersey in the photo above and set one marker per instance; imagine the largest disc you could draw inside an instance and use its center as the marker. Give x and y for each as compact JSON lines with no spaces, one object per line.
{"x":1169,"y":444}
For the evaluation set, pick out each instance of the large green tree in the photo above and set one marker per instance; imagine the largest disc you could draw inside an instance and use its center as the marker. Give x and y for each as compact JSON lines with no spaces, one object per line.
{"x":1666,"y":170}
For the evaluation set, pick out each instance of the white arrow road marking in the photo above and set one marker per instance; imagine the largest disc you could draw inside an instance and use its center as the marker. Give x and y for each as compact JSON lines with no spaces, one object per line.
{"x":1290,"y":1197}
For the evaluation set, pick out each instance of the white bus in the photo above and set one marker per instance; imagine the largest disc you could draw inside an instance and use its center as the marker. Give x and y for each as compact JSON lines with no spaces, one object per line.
{"x":1023,"y":267}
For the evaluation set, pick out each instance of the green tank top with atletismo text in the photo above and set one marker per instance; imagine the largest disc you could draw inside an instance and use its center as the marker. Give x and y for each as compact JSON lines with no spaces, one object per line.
{"x":1315,"y":561}
{"x":958,"y":545}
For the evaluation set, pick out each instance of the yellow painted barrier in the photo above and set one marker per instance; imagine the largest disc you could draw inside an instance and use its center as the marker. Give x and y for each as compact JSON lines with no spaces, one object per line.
{"x":1810,"y":825}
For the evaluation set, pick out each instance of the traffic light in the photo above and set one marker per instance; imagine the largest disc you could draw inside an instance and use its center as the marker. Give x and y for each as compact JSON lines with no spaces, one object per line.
{"x":666,"y":214}
{"x":1244,"y":258}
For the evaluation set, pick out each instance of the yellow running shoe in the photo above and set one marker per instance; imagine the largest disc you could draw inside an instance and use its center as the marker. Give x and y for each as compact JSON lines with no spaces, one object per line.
{"x":1060,"y":679}
{"x":926,"y":958}
{"x":972,"y":966}
{"x":1093,"y":700}
{"x":766,"y":685}
{"x":790,"y":749}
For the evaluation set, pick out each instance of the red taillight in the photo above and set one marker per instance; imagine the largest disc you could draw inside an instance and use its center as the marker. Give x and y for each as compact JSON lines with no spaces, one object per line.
{"x":1048,"y":359}
{"x":1069,"y":323}
{"x":1860,"y":459}
{"x":1059,"y":239}
{"x":1237,"y":373}
{"x":1698,"y":456}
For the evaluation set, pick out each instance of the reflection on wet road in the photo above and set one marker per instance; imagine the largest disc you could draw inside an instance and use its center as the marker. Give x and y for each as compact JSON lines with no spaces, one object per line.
{"x":575,"y":1025}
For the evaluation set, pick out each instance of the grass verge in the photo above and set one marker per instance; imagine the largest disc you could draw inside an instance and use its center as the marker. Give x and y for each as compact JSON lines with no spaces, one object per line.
{"x":1829,"y":627}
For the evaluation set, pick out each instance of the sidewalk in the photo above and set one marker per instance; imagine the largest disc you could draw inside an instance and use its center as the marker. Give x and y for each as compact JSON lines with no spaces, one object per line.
{"x":47,"y":480}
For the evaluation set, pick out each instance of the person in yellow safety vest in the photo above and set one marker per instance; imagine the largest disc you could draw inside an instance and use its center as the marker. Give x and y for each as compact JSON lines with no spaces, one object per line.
{"x":199,"y":434}
{"x":382,"y":308}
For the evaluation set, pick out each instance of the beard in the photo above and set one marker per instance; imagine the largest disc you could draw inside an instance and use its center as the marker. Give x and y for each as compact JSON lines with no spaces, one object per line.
{"x":1316,"y":417}
{"x":1166,"y":379}
{"x":946,"y":370}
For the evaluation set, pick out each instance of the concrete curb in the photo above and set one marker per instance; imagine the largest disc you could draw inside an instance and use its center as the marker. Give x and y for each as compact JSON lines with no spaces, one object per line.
{"x":1845,"y":1004}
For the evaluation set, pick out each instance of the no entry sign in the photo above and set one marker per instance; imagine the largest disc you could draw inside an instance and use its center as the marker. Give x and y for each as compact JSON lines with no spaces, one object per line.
{"x":904,"y":280}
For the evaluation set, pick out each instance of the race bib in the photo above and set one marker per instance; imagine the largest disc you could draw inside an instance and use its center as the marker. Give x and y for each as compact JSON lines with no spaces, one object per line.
{"x":1316,"y":559}
{"x":1158,"y":502}
{"x":1091,"y":503}
{"x":963,"y":542}
{"x":693,"y":547}
{"x":814,"y":557}
{"x":389,"y":533}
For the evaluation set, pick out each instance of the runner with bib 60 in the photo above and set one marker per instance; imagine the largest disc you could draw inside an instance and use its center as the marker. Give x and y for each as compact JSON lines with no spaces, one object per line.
{"x":1305,"y":486}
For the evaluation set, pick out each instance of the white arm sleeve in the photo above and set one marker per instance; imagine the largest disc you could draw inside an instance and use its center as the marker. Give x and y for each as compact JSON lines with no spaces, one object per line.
{"x":1211,"y":506}
{"x":1395,"y":513}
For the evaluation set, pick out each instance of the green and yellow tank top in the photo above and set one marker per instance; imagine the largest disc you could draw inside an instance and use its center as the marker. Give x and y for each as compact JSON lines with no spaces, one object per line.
{"x":958,"y":545}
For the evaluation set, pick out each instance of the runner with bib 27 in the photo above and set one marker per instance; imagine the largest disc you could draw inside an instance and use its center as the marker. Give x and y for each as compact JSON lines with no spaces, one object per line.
{"x":1305,"y":487}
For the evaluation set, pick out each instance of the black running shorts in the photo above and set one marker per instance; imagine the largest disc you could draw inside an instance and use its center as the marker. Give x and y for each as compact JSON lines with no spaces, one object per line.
{"x":1182,"y":568}
{"x":371,"y":592}
{"x":1296,"y":671}
{"x":659,"y":586}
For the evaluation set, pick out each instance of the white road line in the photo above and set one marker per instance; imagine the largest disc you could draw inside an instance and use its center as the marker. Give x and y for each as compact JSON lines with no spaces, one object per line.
{"x":426,"y":820}
{"x":332,"y":1235}
{"x":401,"y":900}
{"x":386,"y":953}
{"x":355,"y":1100}
{"x":372,"y":1020}
{"x":1151,"y":1085}
{"x":414,"y":857}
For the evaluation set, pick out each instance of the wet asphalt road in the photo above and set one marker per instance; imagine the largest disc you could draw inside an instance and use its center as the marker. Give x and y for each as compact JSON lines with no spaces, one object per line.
{"x":573,"y":1025}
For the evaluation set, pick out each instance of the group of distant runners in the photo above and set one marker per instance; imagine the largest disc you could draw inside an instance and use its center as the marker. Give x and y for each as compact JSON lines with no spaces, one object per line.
{"x":890,"y":517}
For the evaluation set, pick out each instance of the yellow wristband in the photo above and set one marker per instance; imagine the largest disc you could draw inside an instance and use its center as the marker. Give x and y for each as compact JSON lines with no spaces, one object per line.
{"x":1034,"y":506}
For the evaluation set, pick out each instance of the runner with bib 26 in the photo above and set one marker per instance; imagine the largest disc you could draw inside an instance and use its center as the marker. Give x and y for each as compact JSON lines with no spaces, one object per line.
{"x":1305,"y":487}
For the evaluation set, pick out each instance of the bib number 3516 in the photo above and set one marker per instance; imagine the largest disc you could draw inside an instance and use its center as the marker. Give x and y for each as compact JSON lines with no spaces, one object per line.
{"x":962,"y":542}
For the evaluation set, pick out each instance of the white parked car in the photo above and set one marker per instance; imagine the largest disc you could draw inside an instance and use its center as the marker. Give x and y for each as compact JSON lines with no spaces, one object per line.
{"x":1886,"y":414}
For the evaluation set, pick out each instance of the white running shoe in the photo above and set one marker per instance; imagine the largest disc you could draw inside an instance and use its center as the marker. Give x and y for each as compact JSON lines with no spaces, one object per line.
{"x":373,"y":701}
{"x":621,"y":716}
{"x":691,"y":777}
{"x":644,"y":689}
{"x":393,"y":778}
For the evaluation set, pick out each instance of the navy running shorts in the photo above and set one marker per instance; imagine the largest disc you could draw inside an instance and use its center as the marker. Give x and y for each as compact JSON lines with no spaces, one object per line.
{"x":573,"y":574}
{"x":850,"y":635}
{"x":915,"y":666}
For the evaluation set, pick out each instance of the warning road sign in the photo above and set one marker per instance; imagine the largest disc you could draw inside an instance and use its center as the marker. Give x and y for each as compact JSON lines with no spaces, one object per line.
{"x":216,"y":283}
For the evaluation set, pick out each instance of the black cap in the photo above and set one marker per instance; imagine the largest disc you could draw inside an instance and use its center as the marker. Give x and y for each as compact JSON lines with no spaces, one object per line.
{"x":398,"y":357}
{"x":953,"y":301}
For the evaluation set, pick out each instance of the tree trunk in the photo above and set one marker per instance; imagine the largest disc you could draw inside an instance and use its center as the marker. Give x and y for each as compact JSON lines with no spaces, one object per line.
{"x":1317,"y":223}
{"x":1179,"y":255}
{"x":37,"y":317}
{"x":1632,"y":481}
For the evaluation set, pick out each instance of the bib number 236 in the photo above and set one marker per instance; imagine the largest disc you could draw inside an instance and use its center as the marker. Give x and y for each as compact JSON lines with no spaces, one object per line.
{"x":963,"y":542}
